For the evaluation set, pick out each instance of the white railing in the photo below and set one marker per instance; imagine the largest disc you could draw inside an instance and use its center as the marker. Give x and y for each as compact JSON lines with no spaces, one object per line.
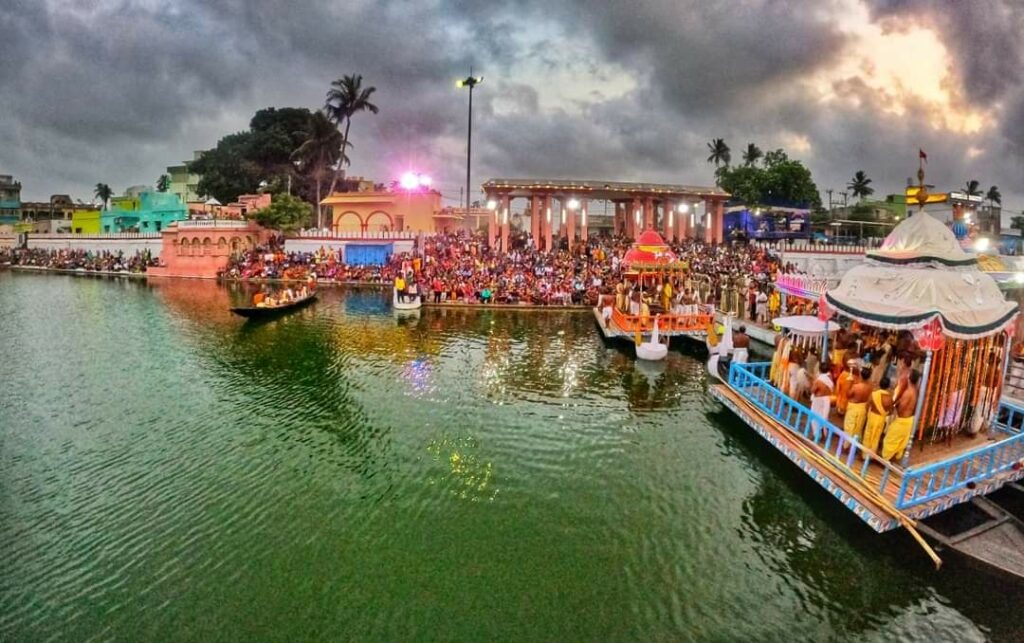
{"x":99,"y":236}
{"x":213,"y":223}
{"x":356,"y":234}
{"x":803,"y":245}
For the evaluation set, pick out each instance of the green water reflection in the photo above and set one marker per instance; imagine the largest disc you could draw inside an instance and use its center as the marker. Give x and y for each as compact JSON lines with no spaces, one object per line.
{"x":170,"y":472}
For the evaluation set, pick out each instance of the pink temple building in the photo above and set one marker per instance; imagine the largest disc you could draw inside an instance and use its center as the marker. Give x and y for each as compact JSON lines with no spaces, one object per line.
{"x":201,"y":248}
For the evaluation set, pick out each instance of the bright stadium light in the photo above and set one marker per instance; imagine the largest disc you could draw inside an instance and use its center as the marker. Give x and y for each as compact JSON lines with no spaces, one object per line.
{"x":573,"y":204}
{"x":683,"y":208}
{"x":409,"y":181}
{"x":492,"y":205}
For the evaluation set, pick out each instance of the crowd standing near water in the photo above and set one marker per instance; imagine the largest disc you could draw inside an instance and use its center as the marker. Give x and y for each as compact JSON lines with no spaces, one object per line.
{"x":461,"y":268}
{"x":79,"y":260}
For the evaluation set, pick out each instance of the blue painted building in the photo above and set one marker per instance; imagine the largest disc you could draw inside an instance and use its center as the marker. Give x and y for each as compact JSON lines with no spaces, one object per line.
{"x":10,"y":200}
{"x":146,"y":212}
{"x":769,"y":222}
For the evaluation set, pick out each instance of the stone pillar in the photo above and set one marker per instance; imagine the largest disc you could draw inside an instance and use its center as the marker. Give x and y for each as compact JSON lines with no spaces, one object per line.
{"x":492,"y":226}
{"x":706,"y":222}
{"x":570,"y":228}
{"x":668,"y":218}
{"x":584,"y":216}
{"x":648,"y":214}
{"x":505,"y":215}
{"x":547,"y":223}
{"x":683,"y":223}
{"x":719,"y":221}
{"x":633,"y":226}
{"x":535,"y":215}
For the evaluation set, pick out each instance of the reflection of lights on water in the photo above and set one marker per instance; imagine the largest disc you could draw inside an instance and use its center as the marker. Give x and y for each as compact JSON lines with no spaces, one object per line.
{"x":417,"y":375}
{"x":467,"y":476}
{"x":569,"y":377}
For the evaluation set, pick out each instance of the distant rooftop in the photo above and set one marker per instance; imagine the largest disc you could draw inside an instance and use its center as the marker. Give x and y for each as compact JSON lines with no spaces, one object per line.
{"x":601,"y":189}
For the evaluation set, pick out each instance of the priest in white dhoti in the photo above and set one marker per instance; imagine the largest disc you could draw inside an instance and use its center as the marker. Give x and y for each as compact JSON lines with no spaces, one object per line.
{"x":821,"y":399}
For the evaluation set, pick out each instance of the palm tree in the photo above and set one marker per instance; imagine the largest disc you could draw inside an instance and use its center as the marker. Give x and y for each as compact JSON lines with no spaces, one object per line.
{"x":319,"y":152}
{"x":719,"y":152}
{"x":860,"y":186}
{"x":993,"y":196}
{"x":973,"y":188}
{"x":345,"y":99}
{"x":163,"y":183}
{"x":103,"y":193}
{"x":752,"y":154}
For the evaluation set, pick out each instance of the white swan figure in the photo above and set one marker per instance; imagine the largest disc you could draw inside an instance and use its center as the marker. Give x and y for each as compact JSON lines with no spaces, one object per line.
{"x":652,"y":350}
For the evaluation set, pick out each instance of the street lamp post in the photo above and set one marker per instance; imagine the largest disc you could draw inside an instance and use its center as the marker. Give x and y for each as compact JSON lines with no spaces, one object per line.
{"x":470,"y":81}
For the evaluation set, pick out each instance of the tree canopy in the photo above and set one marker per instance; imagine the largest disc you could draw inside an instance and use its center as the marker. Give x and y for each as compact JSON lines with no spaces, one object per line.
{"x":720,"y":153}
{"x":779,"y":180}
{"x":860,"y":185}
{"x":242,"y":160}
{"x":285,"y":213}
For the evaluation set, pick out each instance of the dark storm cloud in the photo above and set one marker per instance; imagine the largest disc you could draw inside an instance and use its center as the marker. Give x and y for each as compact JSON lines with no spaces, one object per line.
{"x":115,"y":90}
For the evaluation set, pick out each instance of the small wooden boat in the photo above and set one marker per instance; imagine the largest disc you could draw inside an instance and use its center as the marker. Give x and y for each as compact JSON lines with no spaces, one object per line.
{"x":983,"y":532}
{"x":266,"y":312}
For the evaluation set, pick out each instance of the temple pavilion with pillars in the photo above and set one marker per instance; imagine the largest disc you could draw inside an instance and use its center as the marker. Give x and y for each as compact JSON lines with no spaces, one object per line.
{"x":562,"y":209}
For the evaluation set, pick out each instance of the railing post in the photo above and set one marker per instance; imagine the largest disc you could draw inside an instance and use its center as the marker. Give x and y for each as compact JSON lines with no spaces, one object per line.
{"x":922,"y":386}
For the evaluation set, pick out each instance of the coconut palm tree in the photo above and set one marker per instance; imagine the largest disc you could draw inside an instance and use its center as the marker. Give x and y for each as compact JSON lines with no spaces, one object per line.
{"x":860,"y":186}
{"x":752,"y":154}
{"x":973,"y":188}
{"x":993,"y":196}
{"x":719,"y":152}
{"x":163,"y":183}
{"x":103,"y":193}
{"x":346,"y":98}
{"x":318,"y":153}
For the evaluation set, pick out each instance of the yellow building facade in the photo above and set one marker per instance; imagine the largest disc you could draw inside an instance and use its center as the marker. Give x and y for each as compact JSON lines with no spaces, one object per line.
{"x":384,"y":211}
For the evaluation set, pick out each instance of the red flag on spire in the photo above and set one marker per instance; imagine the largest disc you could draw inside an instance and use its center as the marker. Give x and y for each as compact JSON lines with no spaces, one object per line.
{"x":922,"y":155}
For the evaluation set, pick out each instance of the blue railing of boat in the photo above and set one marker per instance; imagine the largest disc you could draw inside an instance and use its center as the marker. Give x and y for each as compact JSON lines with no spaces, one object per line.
{"x":922,"y":484}
{"x":750,"y":381}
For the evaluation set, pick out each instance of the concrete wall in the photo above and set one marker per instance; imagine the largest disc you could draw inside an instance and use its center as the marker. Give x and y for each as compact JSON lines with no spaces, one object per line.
{"x":127,"y":243}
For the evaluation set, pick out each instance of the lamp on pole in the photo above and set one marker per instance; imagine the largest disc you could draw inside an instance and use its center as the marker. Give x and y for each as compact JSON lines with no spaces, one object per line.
{"x":470,"y":81}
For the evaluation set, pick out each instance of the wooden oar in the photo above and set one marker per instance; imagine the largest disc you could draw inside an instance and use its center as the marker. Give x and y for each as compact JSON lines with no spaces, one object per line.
{"x":884,"y":503}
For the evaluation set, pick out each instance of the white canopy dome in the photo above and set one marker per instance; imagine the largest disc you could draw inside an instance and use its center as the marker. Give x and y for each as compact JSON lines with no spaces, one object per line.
{"x":918,"y":275}
{"x":921,"y":238}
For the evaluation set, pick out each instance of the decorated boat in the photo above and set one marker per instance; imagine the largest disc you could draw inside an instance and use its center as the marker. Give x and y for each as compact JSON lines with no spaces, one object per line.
{"x":267,"y":312}
{"x":648,"y":261}
{"x":940,"y":328}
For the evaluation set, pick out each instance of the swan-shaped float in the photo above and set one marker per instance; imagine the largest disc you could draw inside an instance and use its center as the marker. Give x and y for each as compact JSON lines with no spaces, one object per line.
{"x":652,"y":350}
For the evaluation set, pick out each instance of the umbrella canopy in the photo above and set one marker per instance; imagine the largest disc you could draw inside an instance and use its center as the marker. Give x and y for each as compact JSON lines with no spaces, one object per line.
{"x":919,"y":275}
{"x":921,"y":239}
{"x":805,"y":324}
{"x":650,"y":251}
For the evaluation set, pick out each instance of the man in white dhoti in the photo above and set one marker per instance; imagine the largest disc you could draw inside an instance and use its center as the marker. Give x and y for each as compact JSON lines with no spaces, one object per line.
{"x":741,"y":342}
{"x":821,"y":399}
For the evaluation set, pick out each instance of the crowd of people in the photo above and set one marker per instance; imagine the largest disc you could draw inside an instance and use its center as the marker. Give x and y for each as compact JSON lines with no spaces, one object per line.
{"x":870,"y":382}
{"x":82,"y":260}
{"x":460,"y":267}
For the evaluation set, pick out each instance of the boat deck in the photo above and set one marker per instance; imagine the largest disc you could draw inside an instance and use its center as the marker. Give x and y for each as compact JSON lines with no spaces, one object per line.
{"x":624,"y":326}
{"x":941,"y":475}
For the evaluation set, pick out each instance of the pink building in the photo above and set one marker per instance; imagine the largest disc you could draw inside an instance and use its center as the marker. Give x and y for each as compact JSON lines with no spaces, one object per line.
{"x":201,"y":248}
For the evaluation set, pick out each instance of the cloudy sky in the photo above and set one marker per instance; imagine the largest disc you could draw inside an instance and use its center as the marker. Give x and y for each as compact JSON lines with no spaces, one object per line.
{"x":115,"y":90}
